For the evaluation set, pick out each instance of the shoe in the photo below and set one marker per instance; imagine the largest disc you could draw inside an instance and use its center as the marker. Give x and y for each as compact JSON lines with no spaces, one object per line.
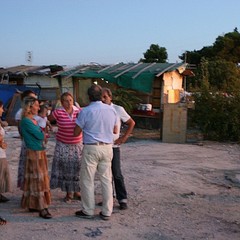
{"x":123,"y":206}
{"x":2,"y":221}
{"x":81,"y":214}
{"x":67,"y":199}
{"x":45,"y":214}
{"x":33,"y":210}
{"x":3,"y":199}
{"x":104,"y":217}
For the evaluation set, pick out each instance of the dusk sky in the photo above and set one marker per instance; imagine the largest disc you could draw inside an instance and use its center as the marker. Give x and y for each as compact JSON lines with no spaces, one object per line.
{"x":73,"y":32}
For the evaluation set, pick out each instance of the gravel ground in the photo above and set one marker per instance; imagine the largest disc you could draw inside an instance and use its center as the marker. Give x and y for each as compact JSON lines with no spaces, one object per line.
{"x":176,"y":191}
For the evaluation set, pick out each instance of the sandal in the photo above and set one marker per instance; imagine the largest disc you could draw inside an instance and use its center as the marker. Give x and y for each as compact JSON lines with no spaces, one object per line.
{"x":33,"y":210}
{"x":2,"y":221}
{"x":77,"y":197}
{"x":3,"y":199}
{"x":67,"y":199}
{"x":45,"y":214}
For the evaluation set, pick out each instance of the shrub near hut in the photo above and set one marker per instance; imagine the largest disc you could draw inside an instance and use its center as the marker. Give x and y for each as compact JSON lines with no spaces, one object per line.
{"x":217,"y":115}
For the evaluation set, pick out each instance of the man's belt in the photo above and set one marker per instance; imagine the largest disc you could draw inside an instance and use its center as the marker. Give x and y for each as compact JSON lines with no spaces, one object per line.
{"x":97,"y":143}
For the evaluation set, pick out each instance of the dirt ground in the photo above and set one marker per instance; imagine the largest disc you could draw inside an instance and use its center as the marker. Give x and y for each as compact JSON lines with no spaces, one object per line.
{"x":176,"y":191}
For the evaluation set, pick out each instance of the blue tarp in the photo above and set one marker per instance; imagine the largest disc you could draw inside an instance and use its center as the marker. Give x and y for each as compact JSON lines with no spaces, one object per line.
{"x":7,"y":91}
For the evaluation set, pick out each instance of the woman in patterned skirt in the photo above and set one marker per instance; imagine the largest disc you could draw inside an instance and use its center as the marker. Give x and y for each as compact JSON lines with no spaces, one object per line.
{"x":22,"y":157}
{"x":66,"y":164}
{"x":36,"y":186}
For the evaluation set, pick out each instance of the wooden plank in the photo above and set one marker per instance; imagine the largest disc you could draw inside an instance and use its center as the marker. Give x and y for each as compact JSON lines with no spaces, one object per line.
{"x":143,"y":70}
{"x":127,"y":70}
{"x":164,"y":70}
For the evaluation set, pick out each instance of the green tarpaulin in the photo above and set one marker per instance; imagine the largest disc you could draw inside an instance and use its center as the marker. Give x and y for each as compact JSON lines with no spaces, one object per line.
{"x":138,"y":76}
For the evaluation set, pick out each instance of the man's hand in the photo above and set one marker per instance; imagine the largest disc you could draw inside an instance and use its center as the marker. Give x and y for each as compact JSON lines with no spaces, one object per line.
{"x":77,"y":131}
{"x":121,"y":140}
{"x":130,"y":123}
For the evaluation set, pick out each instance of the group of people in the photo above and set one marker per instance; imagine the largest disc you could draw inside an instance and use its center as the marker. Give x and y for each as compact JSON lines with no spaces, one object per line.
{"x":87,"y":141}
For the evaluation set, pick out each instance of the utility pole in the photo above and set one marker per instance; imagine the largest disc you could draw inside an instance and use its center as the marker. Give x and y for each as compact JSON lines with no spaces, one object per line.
{"x":29,"y":57}
{"x":184,"y":78}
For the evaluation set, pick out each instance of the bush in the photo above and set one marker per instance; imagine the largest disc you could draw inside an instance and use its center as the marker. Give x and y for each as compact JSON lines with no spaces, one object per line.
{"x":217,"y":115}
{"x":125,"y":98}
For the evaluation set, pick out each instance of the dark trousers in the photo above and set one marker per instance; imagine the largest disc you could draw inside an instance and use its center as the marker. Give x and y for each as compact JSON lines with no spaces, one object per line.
{"x":118,"y":179}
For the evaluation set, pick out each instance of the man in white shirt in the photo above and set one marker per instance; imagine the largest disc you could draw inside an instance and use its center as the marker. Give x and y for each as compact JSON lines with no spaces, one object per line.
{"x":124,"y":117}
{"x":98,"y":122}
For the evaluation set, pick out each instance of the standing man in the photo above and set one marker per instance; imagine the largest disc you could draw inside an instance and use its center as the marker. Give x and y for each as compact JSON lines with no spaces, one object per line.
{"x":124,"y":117}
{"x":98,"y":124}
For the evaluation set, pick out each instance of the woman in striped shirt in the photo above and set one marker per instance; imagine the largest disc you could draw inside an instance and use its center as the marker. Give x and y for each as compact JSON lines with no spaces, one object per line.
{"x":66,"y":164}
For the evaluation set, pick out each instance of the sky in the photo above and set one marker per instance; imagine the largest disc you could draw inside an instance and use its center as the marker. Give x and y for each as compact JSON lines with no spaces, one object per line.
{"x":74,"y":32}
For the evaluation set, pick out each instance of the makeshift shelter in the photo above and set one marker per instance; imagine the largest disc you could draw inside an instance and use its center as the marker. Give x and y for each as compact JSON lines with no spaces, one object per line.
{"x":34,"y":75}
{"x":140,"y":77}
{"x":155,"y":83}
{"x":134,"y":76}
{"x":20,"y":78}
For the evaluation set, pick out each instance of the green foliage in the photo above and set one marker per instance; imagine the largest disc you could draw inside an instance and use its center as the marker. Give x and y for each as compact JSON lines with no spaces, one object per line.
{"x":195,"y":57}
{"x":222,"y":57}
{"x":217,"y":87}
{"x":226,"y":47}
{"x":155,"y":54}
{"x":125,"y":98}
{"x":222,"y":75}
{"x":217,"y":114}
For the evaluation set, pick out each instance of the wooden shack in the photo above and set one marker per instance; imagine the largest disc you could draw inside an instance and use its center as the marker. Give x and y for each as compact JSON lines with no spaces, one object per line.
{"x":155,"y":84}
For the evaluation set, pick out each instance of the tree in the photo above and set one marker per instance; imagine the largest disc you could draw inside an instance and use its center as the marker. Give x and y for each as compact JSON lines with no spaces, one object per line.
{"x":224,"y":75}
{"x":155,"y":54}
{"x":223,"y":58}
{"x":220,"y":74}
{"x":226,"y":47}
{"x":217,"y":87}
{"x":194,"y":57}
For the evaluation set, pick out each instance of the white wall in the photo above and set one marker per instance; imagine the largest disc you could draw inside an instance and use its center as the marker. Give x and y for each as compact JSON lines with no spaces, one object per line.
{"x":172,"y":85}
{"x":67,"y":85}
{"x":43,"y":81}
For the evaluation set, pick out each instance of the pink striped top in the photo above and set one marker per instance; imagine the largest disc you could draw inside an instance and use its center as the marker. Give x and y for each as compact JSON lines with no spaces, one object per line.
{"x":66,"y":125}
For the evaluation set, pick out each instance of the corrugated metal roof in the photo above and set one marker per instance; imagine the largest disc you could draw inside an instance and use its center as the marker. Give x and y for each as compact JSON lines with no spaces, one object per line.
{"x":137,"y":76}
{"x":122,"y":68}
{"x":24,"y":70}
